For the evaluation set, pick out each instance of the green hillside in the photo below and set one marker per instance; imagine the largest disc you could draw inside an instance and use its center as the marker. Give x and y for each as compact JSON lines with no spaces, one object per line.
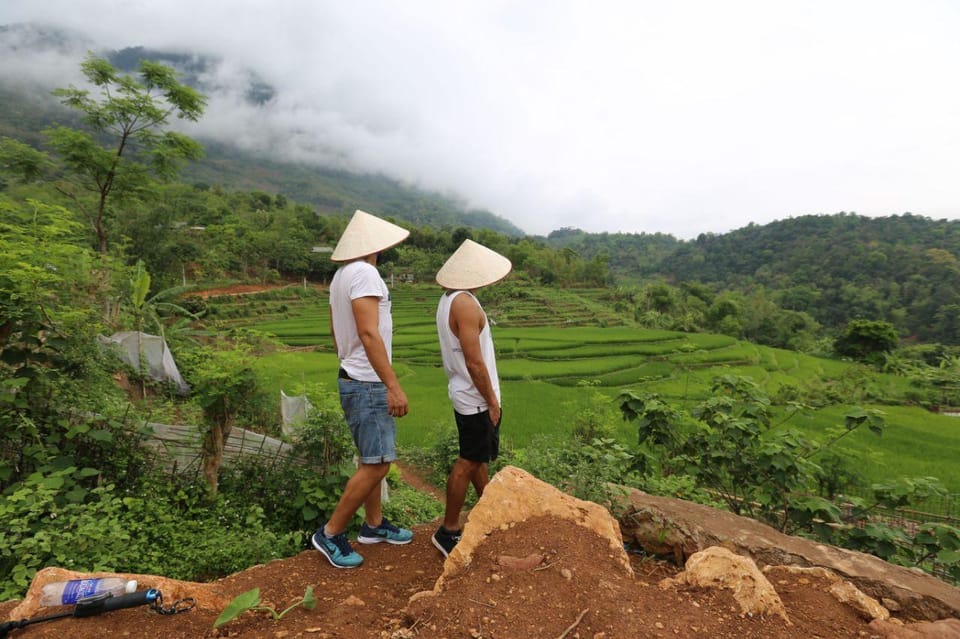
{"x":338,"y":192}
{"x":327,"y":191}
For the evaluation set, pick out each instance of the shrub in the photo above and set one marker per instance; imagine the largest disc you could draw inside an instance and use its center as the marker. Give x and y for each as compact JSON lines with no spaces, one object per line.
{"x":41,"y":529}
{"x":408,"y":507}
{"x":170,"y":530}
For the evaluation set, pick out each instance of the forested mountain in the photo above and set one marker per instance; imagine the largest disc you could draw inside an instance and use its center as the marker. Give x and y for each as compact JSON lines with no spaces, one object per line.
{"x":632,"y":257}
{"x":903,"y":269}
{"x":338,"y":192}
{"x":329,"y":191}
{"x":27,"y":108}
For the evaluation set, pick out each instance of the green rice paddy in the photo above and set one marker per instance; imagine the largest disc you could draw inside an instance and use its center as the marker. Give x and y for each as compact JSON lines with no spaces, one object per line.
{"x":544,"y":358}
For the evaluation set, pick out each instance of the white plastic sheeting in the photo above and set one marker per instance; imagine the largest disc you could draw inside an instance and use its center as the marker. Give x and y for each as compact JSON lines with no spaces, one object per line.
{"x":293,"y":411}
{"x":159,"y":360}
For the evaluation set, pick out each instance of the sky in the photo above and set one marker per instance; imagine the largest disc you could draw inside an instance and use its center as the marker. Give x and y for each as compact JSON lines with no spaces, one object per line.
{"x":637,"y":116}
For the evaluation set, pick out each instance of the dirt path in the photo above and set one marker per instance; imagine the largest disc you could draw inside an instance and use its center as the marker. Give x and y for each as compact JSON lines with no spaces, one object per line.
{"x":414,"y":478}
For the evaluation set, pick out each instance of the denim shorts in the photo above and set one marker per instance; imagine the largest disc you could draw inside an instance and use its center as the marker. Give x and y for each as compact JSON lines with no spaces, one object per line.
{"x":373,"y":429}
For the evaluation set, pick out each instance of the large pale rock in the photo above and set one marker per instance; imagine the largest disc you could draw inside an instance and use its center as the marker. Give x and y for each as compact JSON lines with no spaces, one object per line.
{"x":514,"y":495}
{"x":680,"y":528}
{"x":207,"y":596}
{"x":717,"y":567}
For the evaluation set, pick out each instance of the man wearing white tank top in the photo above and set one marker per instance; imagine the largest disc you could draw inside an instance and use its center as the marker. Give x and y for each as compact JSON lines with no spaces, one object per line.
{"x":466,"y":347}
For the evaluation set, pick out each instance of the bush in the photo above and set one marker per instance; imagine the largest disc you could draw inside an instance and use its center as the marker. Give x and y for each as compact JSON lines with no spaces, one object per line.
{"x":42,"y":529}
{"x":177,"y":533}
{"x":171,"y":531}
{"x":293,"y":497}
{"x":408,"y":507}
{"x":588,"y":471}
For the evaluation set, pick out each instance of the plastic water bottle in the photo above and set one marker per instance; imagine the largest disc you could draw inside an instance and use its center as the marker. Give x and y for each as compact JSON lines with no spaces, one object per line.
{"x":66,"y":593}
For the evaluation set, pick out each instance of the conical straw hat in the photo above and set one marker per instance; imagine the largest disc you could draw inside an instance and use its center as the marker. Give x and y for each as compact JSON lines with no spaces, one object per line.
{"x":472,"y":266}
{"x":365,"y":235}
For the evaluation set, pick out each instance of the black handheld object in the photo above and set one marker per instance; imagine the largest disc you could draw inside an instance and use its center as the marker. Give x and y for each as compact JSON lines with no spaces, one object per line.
{"x":105,"y":602}
{"x":90,"y":606}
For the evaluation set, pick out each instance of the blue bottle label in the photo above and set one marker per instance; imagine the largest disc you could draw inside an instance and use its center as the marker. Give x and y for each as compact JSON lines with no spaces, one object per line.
{"x":78,"y":589}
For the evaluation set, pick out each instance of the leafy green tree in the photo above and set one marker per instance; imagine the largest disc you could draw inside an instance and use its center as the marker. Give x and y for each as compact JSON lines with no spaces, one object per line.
{"x":866,"y":339}
{"x":22,"y":160}
{"x":124,"y":145}
{"x":56,"y":397}
{"x":226,"y":387}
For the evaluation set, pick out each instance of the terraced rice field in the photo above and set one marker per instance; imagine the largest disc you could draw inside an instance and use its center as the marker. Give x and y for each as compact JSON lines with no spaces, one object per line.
{"x":556,"y":351}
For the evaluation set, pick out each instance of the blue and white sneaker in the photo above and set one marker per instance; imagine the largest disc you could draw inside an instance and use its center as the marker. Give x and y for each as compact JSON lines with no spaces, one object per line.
{"x":336,"y":549}
{"x":384,"y":532}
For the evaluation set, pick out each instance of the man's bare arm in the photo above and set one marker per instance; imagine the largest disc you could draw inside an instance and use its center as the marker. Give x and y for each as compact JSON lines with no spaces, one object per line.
{"x":366,"y":313}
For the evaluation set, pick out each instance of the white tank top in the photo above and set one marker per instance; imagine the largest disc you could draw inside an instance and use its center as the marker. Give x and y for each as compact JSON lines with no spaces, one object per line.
{"x":466,"y":399}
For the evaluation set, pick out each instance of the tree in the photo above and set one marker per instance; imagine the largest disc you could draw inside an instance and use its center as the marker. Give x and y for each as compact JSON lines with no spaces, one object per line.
{"x":223,"y":383}
{"x":866,"y":339}
{"x":124,"y":145}
{"x":21,"y":160}
{"x":44,"y":277}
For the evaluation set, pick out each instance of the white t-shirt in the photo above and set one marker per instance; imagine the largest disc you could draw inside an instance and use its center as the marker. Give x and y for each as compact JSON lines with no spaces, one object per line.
{"x":353,"y":281}
{"x":466,"y":399}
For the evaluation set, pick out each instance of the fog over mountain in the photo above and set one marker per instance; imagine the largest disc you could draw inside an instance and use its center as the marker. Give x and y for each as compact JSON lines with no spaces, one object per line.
{"x":625,"y":116}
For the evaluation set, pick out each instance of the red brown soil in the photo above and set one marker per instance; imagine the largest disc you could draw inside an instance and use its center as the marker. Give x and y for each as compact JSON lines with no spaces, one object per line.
{"x":486,"y":600}
{"x":236,"y":289}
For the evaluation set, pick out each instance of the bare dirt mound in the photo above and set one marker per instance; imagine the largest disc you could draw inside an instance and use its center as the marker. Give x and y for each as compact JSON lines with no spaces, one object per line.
{"x":236,"y":289}
{"x":577,"y":574}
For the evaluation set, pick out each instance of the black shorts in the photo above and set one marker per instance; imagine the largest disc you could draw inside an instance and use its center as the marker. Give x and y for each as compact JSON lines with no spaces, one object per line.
{"x":479,"y":437}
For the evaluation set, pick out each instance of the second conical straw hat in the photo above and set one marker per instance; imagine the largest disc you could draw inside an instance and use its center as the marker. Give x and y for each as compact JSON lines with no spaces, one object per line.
{"x":472,"y":266}
{"x":365,"y":235}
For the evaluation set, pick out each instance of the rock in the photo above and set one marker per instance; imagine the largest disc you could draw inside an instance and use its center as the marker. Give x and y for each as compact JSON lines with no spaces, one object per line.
{"x":868,"y":607}
{"x":516,"y":564}
{"x":207,"y":596}
{"x":678,"y":528}
{"x":353,"y":600}
{"x":514,"y":495}
{"x":717,"y":567}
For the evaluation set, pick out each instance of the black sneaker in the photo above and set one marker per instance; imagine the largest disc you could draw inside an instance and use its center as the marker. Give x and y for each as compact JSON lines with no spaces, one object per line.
{"x":445,"y":540}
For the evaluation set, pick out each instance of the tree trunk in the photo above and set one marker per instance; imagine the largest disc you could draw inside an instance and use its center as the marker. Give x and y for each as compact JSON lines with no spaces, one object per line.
{"x":213,"y":444}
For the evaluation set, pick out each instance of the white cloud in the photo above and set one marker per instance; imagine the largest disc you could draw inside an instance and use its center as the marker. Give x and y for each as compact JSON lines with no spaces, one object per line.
{"x":612,"y":116}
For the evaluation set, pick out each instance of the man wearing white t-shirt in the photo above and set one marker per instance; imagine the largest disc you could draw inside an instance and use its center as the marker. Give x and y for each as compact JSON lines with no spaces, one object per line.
{"x":370,"y":394}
